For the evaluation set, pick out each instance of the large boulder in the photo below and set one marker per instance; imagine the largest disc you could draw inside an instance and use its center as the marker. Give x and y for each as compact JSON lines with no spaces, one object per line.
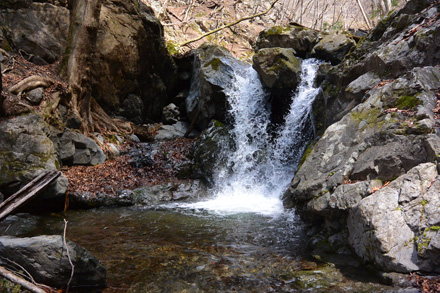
{"x":277,"y":67}
{"x":279,"y":71}
{"x":25,"y":152}
{"x":38,"y":29}
{"x":213,"y":73}
{"x":398,"y":227}
{"x":333,"y":47}
{"x":298,"y":38}
{"x":46,"y":259}
{"x":132,"y":58}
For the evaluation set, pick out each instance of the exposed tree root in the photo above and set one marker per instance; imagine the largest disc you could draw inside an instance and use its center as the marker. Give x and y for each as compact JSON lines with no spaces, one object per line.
{"x":30,"y":83}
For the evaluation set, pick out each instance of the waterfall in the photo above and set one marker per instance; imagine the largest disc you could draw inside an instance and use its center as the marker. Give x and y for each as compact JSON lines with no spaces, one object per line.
{"x":260,"y":168}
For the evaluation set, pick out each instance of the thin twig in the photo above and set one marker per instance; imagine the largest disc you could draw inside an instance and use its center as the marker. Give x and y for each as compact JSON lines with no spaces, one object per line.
{"x":68,"y":256}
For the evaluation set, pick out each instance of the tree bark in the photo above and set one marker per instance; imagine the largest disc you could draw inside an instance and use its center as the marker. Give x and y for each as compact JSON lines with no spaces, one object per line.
{"x":83,"y":30}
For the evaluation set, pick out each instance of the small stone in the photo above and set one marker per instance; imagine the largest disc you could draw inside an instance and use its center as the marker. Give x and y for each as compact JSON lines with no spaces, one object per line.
{"x":113,"y":149}
{"x":35,"y":96}
{"x":170,"y":114}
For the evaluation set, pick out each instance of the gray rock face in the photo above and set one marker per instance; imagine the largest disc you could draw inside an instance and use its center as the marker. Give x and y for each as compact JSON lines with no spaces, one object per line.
{"x":300,"y":39}
{"x":389,"y":51}
{"x":39,"y":29}
{"x":371,"y":142}
{"x":397,"y":227}
{"x":45,"y":258}
{"x":25,"y":152}
{"x":212,"y":73}
{"x":333,"y":47}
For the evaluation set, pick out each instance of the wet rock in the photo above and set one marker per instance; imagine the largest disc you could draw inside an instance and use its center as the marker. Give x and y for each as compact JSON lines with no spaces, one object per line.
{"x":298,"y":38}
{"x":149,"y":195}
{"x":76,"y":149}
{"x":39,"y":29}
{"x":394,"y":227}
{"x":25,"y":152}
{"x":146,"y":195}
{"x":170,"y":114}
{"x":333,"y":47}
{"x":177,"y":130}
{"x":35,"y":96}
{"x":213,"y":71}
{"x":208,"y":152}
{"x":45,"y":258}
{"x":132,"y":108}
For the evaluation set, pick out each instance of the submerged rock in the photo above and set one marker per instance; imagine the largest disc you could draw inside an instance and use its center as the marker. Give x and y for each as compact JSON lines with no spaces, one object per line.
{"x":45,"y":259}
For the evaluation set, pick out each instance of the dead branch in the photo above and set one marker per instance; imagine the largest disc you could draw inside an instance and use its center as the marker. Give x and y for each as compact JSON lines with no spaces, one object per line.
{"x":68,"y":256}
{"x":30,"y":83}
{"x":20,"y":281}
{"x":230,"y":24}
{"x":363,"y":14}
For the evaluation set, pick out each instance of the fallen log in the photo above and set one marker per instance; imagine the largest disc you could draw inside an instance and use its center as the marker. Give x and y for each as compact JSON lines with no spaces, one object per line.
{"x":28,"y":192}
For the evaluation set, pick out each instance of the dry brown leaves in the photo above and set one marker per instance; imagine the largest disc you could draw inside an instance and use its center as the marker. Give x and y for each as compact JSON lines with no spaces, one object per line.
{"x":426,"y":285}
{"x":117,"y":174}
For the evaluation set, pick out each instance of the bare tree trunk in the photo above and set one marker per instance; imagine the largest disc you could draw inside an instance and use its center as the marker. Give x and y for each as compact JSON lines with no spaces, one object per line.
{"x":84,"y":23}
{"x":363,"y":14}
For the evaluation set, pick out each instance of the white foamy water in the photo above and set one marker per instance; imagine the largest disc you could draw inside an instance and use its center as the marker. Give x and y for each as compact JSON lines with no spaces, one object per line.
{"x":260,"y":169}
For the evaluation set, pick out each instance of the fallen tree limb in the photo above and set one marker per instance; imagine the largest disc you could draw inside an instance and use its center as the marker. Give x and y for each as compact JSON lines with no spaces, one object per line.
{"x":29,"y":191}
{"x":230,"y":24}
{"x":20,"y":281}
{"x":30,"y":83}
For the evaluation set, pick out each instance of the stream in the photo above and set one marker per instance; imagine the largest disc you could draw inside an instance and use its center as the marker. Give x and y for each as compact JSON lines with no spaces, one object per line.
{"x":238,"y":239}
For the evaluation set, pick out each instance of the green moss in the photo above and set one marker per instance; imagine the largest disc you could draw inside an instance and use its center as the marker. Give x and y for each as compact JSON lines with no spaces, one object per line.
{"x":214,"y":63}
{"x":218,"y":123}
{"x":276,"y":30}
{"x":306,"y":154}
{"x":370,"y":117}
{"x":407,"y":102}
{"x":172,"y":48}
{"x":434,"y":228}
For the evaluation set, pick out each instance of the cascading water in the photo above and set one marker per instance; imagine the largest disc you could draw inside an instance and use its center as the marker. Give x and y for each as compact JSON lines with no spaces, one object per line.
{"x":259,"y":168}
